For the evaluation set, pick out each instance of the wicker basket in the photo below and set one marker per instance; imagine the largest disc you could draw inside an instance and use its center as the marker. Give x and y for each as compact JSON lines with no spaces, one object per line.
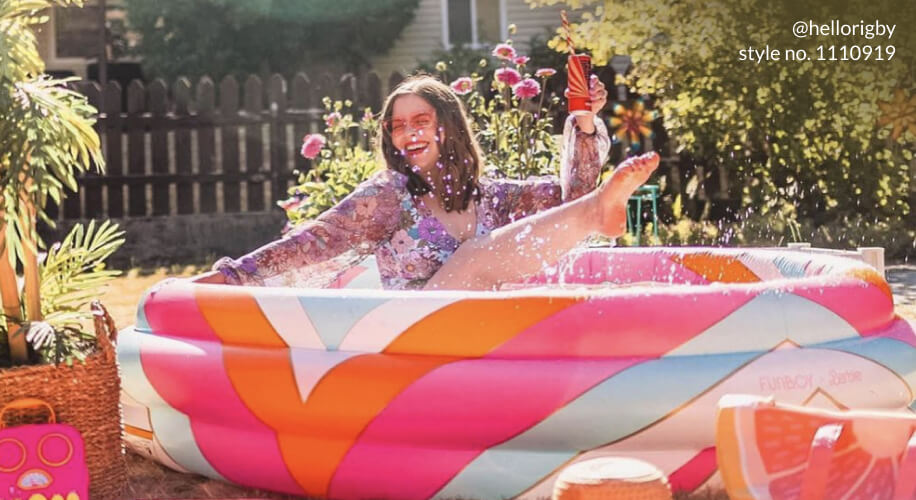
{"x":85,"y":396}
{"x":611,"y":478}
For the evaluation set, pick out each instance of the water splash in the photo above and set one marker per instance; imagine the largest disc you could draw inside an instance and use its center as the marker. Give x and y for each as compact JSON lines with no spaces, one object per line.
{"x":524,"y":233}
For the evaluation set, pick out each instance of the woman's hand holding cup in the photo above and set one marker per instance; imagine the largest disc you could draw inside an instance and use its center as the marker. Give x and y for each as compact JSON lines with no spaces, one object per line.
{"x":598,"y":95}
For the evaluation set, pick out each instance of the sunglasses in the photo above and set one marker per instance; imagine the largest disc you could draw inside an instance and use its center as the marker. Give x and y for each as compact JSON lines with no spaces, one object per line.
{"x":420,"y":121}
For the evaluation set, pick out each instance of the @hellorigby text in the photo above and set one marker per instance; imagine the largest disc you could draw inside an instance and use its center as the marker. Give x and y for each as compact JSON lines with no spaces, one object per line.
{"x":862,"y":41}
{"x":869,"y":31}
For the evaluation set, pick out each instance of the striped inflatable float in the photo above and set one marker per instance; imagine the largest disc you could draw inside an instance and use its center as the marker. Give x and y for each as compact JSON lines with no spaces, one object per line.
{"x":359,"y":393}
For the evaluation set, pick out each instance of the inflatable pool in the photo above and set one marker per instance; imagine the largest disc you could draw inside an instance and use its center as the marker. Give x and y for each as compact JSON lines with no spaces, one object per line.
{"x":358,"y":393}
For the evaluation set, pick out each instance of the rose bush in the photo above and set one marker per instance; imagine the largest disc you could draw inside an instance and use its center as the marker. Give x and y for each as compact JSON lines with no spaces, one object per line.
{"x":515,"y":125}
{"x":341,"y":160}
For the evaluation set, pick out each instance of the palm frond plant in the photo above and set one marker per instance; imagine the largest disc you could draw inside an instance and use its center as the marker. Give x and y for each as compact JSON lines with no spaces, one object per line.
{"x":46,"y":140}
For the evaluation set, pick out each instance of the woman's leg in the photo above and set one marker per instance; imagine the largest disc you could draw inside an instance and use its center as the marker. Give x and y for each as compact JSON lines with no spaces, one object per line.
{"x":526,"y":246}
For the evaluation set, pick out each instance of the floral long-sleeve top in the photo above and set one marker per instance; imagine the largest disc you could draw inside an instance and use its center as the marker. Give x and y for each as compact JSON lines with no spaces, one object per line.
{"x":409,"y":243}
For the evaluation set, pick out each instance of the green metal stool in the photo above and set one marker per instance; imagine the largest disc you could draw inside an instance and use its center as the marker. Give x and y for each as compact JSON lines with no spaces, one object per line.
{"x":648,"y":192}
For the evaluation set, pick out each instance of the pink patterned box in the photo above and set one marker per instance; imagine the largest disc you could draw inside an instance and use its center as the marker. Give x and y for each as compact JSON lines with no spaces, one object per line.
{"x":42,"y":461}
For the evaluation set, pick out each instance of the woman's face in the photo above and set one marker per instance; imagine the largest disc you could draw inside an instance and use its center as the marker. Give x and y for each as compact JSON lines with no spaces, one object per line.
{"x":414,"y":132}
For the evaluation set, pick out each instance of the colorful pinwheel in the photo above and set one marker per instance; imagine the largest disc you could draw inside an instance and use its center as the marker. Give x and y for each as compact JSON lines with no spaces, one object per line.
{"x":633,"y":123}
{"x":899,"y":113}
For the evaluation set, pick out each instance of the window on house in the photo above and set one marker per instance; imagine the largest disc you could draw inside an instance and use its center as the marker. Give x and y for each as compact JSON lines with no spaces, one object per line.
{"x":473,"y":22}
{"x":76,"y":31}
{"x":459,"y":22}
{"x":489,"y":29}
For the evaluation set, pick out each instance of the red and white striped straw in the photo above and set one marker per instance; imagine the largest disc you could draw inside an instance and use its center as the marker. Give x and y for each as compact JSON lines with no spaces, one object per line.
{"x":569,"y":42}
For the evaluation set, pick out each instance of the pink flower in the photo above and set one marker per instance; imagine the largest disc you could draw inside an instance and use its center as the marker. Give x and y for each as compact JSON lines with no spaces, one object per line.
{"x":527,"y":88}
{"x":402,"y":242}
{"x":462,"y":85}
{"x":311,"y":145}
{"x":508,"y":76}
{"x":545,"y":72}
{"x":415,"y":265}
{"x":521,"y":60}
{"x":332,"y":119}
{"x":367,"y":115}
{"x":366,"y":208}
{"x":504,"y":51}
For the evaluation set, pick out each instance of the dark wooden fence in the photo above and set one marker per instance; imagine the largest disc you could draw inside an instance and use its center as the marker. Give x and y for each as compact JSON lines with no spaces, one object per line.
{"x":233,"y":147}
{"x":206,"y":148}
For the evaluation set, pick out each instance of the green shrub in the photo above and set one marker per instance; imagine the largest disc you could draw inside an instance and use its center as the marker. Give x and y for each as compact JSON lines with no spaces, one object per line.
{"x":813,"y":133}
{"x":896,"y":237}
{"x":345,"y":160}
{"x":221,"y":37}
{"x":782,"y":227}
{"x":515,"y":134}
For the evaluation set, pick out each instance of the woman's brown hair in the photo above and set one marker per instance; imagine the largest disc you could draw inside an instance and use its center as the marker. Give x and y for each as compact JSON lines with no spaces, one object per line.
{"x":460,"y":155}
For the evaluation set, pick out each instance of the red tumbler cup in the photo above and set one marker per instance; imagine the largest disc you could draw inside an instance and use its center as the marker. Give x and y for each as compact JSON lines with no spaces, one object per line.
{"x":578,"y":68}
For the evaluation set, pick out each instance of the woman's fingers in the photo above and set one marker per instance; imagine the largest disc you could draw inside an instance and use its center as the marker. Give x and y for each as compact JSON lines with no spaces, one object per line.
{"x":598,"y":94}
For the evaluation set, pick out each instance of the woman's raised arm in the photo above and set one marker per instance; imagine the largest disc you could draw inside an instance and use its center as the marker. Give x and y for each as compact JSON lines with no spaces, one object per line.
{"x":582,"y":155}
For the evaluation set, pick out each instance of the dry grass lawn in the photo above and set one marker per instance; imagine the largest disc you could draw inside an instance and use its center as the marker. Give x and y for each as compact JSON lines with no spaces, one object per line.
{"x":148,"y":480}
{"x":122,"y":297}
{"x":907,"y":311}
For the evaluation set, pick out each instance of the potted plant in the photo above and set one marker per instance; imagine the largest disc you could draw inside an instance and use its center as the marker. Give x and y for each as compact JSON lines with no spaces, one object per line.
{"x":47,"y":350}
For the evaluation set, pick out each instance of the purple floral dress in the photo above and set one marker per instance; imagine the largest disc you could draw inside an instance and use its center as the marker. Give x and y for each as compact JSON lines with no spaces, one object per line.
{"x":409,"y":243}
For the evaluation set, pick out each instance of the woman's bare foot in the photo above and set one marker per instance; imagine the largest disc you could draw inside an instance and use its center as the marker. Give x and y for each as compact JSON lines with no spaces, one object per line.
{"x":614,"y":194}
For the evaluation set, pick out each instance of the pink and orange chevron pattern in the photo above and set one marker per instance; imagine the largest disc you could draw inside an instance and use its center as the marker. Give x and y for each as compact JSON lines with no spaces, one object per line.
{"x":359,"y":393}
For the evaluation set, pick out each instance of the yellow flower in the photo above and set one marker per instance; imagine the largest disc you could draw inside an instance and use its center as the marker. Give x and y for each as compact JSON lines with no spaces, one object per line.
{"x":900,"y":113}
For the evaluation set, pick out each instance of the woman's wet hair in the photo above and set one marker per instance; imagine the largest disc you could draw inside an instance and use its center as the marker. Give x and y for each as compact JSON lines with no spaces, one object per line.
{"x":460,"y":156}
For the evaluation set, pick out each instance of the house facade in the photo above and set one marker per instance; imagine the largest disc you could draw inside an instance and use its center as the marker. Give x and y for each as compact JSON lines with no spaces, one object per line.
{"x":442,"y":24}
{"x":70,"y":41}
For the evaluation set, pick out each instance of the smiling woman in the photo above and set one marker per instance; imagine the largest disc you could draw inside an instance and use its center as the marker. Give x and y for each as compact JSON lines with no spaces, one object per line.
{"x":430,"y":200}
